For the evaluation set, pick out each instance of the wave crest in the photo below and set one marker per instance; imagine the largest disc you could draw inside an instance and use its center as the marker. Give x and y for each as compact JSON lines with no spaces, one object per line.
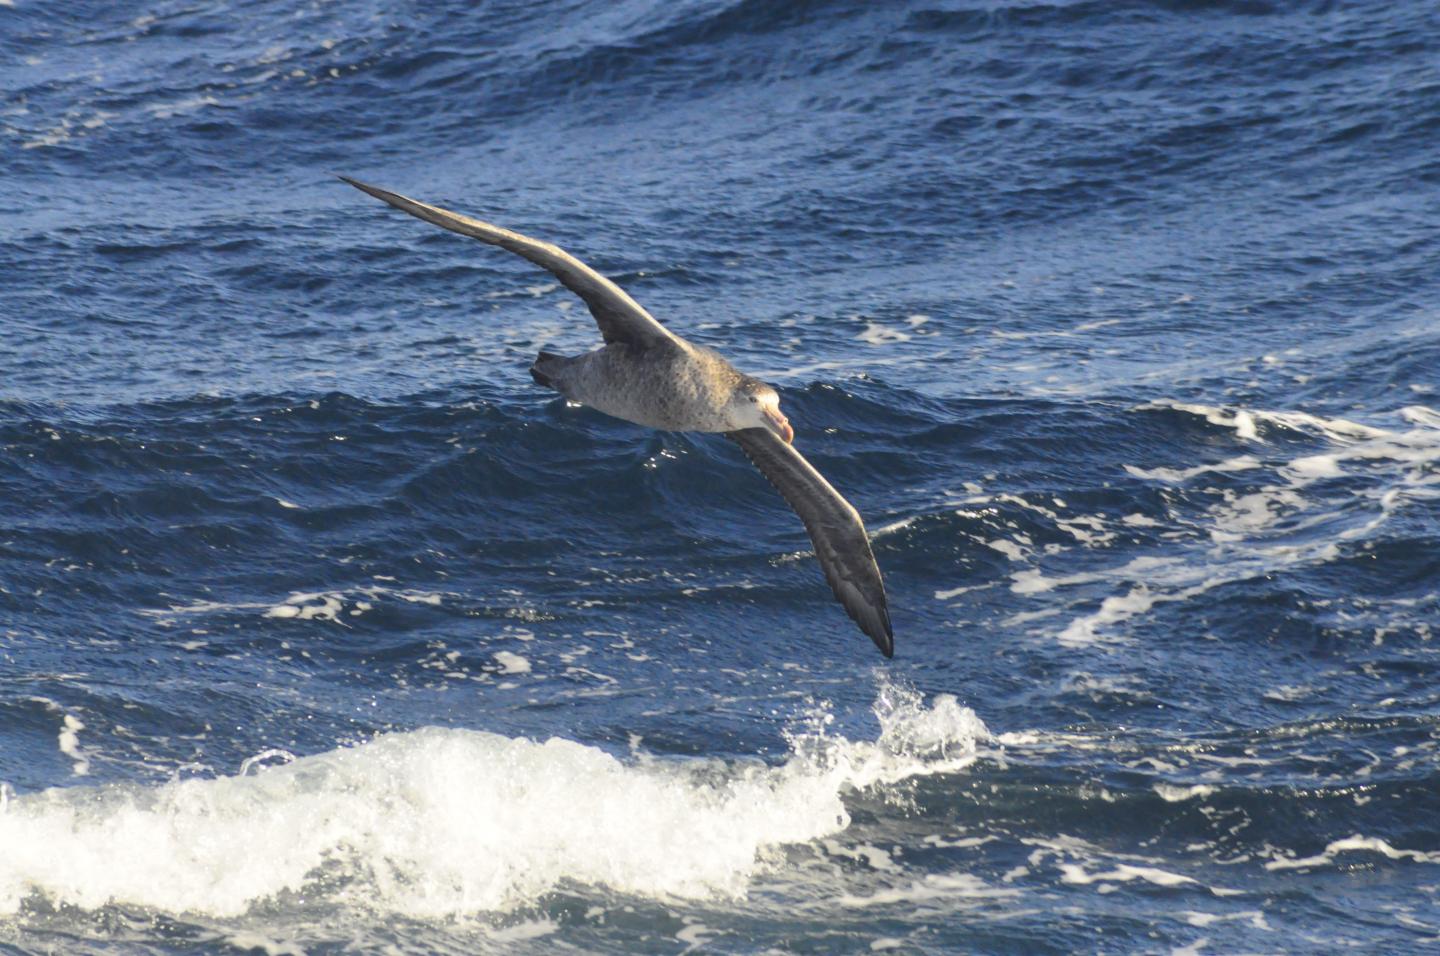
{"x":439,"y":822}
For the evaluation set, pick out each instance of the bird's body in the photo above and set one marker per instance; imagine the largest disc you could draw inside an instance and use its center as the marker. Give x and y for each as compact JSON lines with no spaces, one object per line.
{"x":648,"y":375}
{"x":672,"y":387}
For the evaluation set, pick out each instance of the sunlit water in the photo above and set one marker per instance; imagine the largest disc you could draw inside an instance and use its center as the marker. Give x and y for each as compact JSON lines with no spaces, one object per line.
{"x":323,"y":629}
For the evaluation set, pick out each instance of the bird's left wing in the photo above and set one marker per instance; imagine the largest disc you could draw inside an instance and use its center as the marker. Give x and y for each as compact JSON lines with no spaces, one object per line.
{"x":621,"y":319}
{"x":835,"y":528}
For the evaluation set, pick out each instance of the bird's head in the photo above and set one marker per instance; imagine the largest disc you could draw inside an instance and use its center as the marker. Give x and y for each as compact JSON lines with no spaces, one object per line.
{"x":757,"y":405}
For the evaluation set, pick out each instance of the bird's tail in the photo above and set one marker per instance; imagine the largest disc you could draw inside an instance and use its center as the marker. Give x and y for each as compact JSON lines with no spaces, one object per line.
{"x":546,"y":367}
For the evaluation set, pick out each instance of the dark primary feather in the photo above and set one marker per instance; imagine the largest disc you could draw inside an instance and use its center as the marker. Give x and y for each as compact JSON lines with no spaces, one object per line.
{"x":835,"y":527}
{"x":621,"y":319}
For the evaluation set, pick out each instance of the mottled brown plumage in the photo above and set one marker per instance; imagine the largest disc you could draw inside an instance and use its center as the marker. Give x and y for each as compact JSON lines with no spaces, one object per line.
{"x":648,"y":375}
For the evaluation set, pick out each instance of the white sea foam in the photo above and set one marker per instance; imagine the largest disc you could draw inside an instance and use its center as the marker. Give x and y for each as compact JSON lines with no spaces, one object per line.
{"x":1082,"y":863}
{"x":511,"y":663}
{"x":309,"y":607}
{"x":68,"y":738}
{"x":877,"y":333}
{"x":1176,"y":476}
{"x":1095,"y":687}
{"x":304,"y":605}
{"x":1123,"y":872}
{"x":1242,"y":421}
{"x":1287,"y":517}
{"x":1255,"y":918}
{"x":70,"y":744}
{"x":1011,"y":550}
{"x":1352,"y":844}
{"x":934,"y":886}
{"x":436,"y":822}
{"x":181,"y":107}
{"x":894,"y":526}
{"x":1085,"y":630}
{"x":1088,"y":530}
{"x":1420,"y":415}
{"x":1173,"y":794}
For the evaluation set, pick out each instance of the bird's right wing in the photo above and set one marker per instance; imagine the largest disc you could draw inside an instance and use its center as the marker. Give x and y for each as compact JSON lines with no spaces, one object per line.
{"x":835,"y":527}
{"x":621,"y":319}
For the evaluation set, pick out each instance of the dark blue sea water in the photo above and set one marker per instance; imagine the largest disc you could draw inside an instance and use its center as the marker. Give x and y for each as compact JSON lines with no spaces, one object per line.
{"x":323,"y":629}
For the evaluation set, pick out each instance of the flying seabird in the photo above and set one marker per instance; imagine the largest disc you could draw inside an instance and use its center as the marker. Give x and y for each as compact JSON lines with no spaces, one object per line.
{"x":648,"y":375}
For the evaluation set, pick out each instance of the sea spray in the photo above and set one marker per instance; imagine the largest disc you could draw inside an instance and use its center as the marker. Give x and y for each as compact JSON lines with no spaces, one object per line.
{"x":436,"y":823}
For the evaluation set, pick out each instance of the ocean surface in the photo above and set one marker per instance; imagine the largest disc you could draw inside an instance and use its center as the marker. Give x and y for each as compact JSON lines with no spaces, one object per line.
{"x":323,"y":629}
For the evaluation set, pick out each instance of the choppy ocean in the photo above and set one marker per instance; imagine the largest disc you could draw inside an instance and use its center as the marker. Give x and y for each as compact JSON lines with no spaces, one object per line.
{"x":323,"y":629}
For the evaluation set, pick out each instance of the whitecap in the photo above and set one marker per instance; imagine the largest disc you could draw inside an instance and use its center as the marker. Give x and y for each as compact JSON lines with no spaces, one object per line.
{"x":511,"y":663}
{"x":1351,"y":844}
{"x":439,"y":822}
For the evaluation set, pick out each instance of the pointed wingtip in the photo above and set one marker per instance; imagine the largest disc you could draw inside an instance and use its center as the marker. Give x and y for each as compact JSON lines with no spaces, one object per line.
{"x":884,"y":639}
{"x":431,"y":214}
{"x":375,"y":191}
{"x":875,"y":622}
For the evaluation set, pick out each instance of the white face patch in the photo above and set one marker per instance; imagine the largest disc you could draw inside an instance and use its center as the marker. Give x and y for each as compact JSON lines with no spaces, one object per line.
{"x":766,"y":403}
{"x":749,"y":410}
